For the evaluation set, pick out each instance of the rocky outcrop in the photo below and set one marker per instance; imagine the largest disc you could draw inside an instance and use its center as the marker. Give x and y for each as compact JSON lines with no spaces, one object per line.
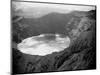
{"x":81,"y":55}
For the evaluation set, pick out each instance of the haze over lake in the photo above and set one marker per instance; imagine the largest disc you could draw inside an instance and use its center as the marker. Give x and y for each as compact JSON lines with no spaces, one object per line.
{"x":44,"y":44}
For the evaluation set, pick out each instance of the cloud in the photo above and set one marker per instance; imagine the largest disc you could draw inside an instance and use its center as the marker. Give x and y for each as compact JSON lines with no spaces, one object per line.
{"x":40,"y":9}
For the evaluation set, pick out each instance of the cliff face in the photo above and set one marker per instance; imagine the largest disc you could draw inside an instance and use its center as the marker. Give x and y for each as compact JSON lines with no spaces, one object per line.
{"x":80,"y":55}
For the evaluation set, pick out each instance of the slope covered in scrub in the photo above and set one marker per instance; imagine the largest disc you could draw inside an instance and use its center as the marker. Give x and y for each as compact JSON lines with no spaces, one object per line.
{"x":80,"y":55}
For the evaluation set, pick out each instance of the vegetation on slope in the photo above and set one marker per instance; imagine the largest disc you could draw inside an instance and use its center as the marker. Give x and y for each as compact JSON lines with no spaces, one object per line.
{"x":81,"y":54}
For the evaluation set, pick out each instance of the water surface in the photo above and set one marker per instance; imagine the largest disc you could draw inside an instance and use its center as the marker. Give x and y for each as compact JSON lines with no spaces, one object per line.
{"x":44,"y":44}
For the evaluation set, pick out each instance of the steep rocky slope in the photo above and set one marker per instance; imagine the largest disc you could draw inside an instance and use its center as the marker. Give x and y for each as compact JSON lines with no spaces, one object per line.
{"x":81,"y":55}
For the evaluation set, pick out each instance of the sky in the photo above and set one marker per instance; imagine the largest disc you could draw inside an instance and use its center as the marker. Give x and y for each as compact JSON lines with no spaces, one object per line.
{"x":40,"y":9}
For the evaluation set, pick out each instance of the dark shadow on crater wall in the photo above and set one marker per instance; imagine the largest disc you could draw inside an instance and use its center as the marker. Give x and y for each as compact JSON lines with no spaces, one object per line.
{"x":81,"y":55}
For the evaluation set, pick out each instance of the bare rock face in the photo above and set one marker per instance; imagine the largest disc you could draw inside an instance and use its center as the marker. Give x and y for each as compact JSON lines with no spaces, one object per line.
{"x":79,"y":55}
